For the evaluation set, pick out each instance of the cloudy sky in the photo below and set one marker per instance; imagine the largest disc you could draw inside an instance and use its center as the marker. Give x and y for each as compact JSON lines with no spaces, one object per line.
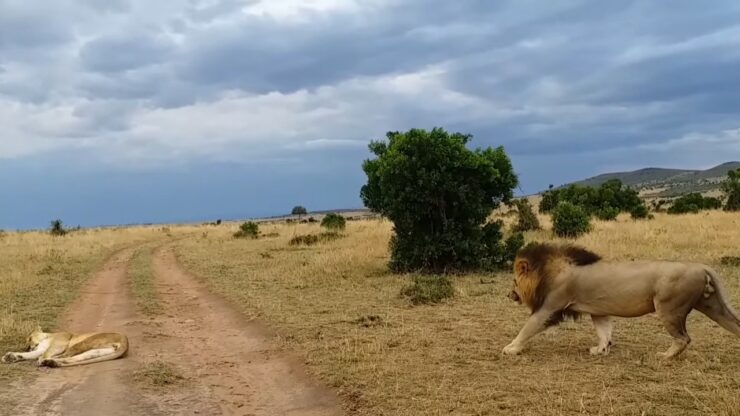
{"x":120,"y":111}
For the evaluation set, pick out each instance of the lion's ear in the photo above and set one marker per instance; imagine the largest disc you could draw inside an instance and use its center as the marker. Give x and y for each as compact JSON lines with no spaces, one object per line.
{"x":521,"y":267}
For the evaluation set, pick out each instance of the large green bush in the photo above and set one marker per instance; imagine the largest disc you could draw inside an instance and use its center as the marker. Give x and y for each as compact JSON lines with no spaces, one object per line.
{"x":639,"y":212}
{"x":333,"y":222}
{"x":731,"y":188}
{"x":438,"y":194}
{"x":570,"y":220}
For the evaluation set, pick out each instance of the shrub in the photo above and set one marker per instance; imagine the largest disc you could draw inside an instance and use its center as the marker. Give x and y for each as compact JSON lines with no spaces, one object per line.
{"x":607,"y":213}
{"x":527,"y":219}
{"x":56,"y":228}
{"x":570,"y":220}
{"x":248,"y":229}
{"x":334,"y":222}
{"x":428,"y":289}
{"x":218,"y":222}
{"x":438,"y":194}
{"x":693,"y":203}
{"x":731,"y":189}
{"x":639,"y":212}
{"x":311,"y":239}
{"x":600,"y":201}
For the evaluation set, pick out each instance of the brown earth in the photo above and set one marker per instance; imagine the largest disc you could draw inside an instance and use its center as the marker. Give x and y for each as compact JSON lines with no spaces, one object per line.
{"x":230,"y":365}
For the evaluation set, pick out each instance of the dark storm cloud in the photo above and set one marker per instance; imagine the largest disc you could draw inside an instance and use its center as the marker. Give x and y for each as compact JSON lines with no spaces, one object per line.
{"x":565,"y":86}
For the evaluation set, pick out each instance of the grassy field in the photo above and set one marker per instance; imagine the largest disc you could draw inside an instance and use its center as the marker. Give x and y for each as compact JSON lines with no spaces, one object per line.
{"x":336,"y":303}
{"x":41,"y":274}
{"x":142,"y":281}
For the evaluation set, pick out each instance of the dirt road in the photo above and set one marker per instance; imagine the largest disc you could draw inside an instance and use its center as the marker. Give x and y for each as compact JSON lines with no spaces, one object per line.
{"x":231,"y":365}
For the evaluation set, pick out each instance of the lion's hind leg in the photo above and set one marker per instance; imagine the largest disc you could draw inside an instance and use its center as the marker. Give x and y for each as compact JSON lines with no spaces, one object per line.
{"x":603,"y":327}
{"x":87,"y":357}
{"x":674,"y":321}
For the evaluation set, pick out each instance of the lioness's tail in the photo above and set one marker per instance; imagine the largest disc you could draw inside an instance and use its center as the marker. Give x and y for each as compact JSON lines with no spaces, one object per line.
{"x":714,"y":304}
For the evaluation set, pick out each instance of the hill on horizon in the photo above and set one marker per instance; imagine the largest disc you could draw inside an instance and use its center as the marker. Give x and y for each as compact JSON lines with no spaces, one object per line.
{"x":663,"y":182}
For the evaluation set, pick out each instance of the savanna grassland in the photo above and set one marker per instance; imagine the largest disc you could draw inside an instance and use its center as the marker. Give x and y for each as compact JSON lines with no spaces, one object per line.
{"x":337,"y":304}
{"x":41,"y":274}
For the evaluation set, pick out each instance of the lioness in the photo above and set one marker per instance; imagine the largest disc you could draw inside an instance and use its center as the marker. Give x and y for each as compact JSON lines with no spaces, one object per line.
{"x":62,"y":349}
{"x":558,"y":281}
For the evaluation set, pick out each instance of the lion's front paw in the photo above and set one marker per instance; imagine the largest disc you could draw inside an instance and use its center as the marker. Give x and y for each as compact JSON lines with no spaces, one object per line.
{"x":48,"y":362}
{"x":599,"y":350}
{"x":512,"y":349}
{"x":10,"y":358}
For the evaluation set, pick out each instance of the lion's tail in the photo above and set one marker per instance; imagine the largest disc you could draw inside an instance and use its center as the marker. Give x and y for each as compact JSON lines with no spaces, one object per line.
{"x":714,"y":304}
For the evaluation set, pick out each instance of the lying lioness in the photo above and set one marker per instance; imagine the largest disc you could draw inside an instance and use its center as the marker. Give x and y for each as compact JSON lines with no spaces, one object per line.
{"x":62,"y":349}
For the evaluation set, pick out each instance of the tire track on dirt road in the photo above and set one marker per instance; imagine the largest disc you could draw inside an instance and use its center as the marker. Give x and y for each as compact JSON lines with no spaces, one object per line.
{"x":235,"y":358}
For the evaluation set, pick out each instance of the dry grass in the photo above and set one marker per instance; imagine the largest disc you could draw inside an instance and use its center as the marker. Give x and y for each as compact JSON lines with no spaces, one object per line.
{"x":158,"y":374}
{"x":141,"y":278}
{"x":41,"y":274}
{"x":445,"y":359}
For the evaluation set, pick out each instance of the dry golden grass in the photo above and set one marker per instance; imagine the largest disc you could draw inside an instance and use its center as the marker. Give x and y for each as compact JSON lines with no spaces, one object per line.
{"x":41,"y":274}
{"x":141,"y":278}
{"x":445,"y":359}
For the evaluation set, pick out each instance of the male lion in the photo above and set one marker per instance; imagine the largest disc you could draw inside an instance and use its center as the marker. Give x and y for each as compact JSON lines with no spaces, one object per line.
{"x":559,"y":281}
{"x":62,"y":349}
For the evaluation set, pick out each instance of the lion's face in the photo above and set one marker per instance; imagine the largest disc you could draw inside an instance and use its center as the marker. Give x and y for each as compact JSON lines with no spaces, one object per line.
{"x":34,"y":339}
{"x":518,"y":291}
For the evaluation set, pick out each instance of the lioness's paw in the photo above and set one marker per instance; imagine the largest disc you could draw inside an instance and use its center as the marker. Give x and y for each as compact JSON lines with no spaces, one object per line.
{"x":9,"y":358}
{"x":48,"y":362}
{"x":512,"y":349}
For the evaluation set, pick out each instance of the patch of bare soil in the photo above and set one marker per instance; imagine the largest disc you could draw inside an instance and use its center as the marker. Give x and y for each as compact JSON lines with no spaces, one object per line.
{"x":235,"y":358}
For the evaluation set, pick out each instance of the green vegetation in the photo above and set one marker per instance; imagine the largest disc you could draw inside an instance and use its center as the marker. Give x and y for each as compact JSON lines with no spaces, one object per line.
{"x":569,"y":220}
{"x":527,"y":220}
{"x":311,"y":239}
{"x":299,"y":211}
{"x":248,"y":229}
{"x":56,"y":228}
{"x":334,"y":222}
{"x":640,"y":212}
{"x":693,"y":203}
{"x":603,"y":202}
{"x":438,"y":194}
{"x":731,"y":189}
{"x":428,"y":290}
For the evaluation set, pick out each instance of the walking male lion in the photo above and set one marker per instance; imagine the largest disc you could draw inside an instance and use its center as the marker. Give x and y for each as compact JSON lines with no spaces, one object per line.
{"x":62,"y":349}
{"x":559,"y":281}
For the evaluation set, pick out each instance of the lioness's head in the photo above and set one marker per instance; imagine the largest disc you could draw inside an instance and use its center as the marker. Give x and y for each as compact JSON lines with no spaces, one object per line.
{"x":35,"y":338}
{"x":537,"y":263}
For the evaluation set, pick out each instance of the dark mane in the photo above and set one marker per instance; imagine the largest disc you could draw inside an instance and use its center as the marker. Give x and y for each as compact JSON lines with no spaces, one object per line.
{"x":539,"y":254}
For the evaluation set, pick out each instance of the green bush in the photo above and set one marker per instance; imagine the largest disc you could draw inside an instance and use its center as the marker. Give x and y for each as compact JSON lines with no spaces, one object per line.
{"x":56,"y":228}
{"x":428,"y":289}
{"x":693,"y":203}
{"x":600,"y":201}
{"x":333,"y":221}
{"x":607,"y":213}
{"x":731,"y":189}
{"x":570,"y":220}
{"x":248,"y":229}
{"x":639,"y":212}
{"x":438,"y":194}
{"x":311,"y":239}
{"x":527,"y":220}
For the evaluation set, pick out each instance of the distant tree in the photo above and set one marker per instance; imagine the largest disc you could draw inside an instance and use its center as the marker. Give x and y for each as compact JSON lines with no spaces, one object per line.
{"x":731,"y":188}
{"x":639,"y":212}
{"x":299,"y":211}
{"x":333,"y":222}
{"x":218,"y":222}
{"x":56,"y":228}
{"x":439,"y":194}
